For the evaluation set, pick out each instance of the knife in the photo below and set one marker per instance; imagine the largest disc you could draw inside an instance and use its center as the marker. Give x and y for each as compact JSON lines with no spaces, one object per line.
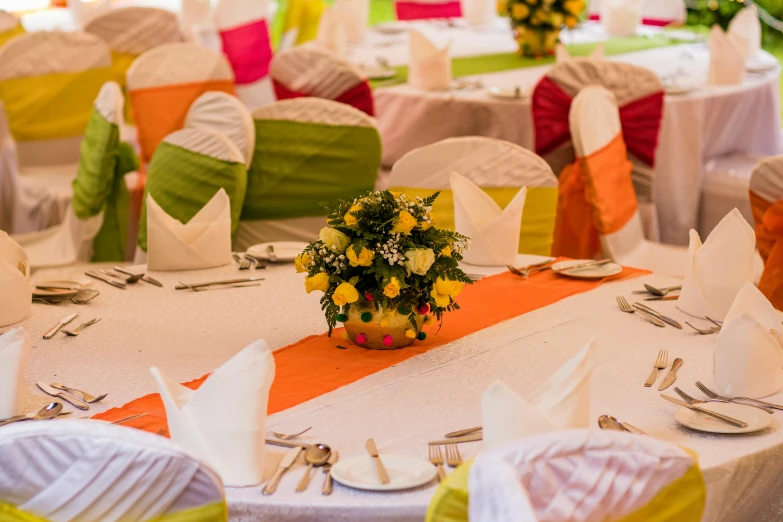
{"x":64,"y":396}
{"x":106,"y":279}
{"x":288,"y":459}
{"x":146,"y":278}
{"x":632,"y":429}
{"x":462,"y":433}
{"x":672,"y":375}
{"x":379,"y":469}
{"x":183,"y":286}
{"x":724,"y":418}
{"x":51,"y":333}
{"x":287,"y":444}
{"x":457,"y":440}
{"x":666,"y":298}
{"x":669,"y":320}
{"x":650,"y":317}
{"x":583,"y":266}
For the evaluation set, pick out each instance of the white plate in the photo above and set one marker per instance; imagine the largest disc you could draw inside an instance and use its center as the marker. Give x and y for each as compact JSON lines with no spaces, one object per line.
{"x":675,"y":90}
{"x":508,"y":93}
{"x":379,"y":73}
{"x":598,"y":272}
{"x":60,"y":287}
{"x":757,"y":419}
{"x":391,"y":28}
{"x":286,"y":251}
{"x":404,"y":472}
{"x":759,"y":66}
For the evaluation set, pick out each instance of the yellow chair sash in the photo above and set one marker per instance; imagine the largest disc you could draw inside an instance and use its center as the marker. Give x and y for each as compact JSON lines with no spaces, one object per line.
{"x":51,"y":106}
{"x":215,"y":512}
{"x":303,"y":15}
{"x":7,"y":35}
{"x":538,"y":217}
{"x":120,"y":63}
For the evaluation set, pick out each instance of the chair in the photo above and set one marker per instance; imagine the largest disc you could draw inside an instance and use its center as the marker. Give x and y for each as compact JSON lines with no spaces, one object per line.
{"x":308,"y":71}
{"x":83,"y":11}
{"x":165,"y":81}
{"x":244,"y":31}
{"x":187,"y":169}
{"x":596,"y":195}
{"x":9,"y":27}
{"x":96,"y":223}
{"x":575,"y":475}
{"x":766,"y":199}
{"x":423,"y":9}
{"x":300,"y":22}
{"x":498,"y":167}
{"x":640,"y":95}
{"x":654,"y":12}
{"x":224,"y":114}
{"x":307,"y":151}
{"x":724,"y":186}
{"x":97,"y":471}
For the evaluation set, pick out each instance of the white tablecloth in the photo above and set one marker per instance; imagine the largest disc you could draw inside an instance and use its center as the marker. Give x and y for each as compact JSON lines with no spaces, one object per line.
{"x":188,"y":334}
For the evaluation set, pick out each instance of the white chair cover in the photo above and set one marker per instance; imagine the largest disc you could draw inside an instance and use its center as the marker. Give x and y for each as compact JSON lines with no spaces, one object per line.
{"x":93,"y":471}
{"x":133,"y":30}
{"x":225,"y":114}
{"x":725,"y":187}
{"x":85,"y":11}
{"x":177,"y":63}
{"x":7,"y":21}
{"x":314,"y":72}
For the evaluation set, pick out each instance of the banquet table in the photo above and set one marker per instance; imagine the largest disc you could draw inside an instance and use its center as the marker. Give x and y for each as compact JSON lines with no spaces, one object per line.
{"x":187,"y":334}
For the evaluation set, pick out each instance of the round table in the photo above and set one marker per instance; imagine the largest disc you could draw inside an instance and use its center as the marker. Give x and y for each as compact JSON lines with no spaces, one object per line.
{"x":188,"y":334}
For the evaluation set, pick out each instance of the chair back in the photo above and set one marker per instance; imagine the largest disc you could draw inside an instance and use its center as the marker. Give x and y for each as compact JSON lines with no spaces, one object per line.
{"x":48,"y":82}
{"x":500,"y":168}
{"x":165,"y":81}
{"x":97,"y":471}
{"x":654,"y":12}
{"x":224,"y":114}
{"x":426,"y":9}
{"x":10,"y":26}
{"x":300,"y":23}
{"x":766,"y":201}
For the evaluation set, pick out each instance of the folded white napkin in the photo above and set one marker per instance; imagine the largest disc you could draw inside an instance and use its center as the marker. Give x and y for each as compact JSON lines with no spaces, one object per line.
{"x":353,"y":17}
{"x":479,"y":13}
{"x":749,"y":352}
{"x":718,"y":269}
{"x":332,"y":32}
{"x":429,"y":67}
{"x":621,"y":17}
{"x":15,"y":293}
{"x":562,"y":54}
{"x":746,"y":25}
{"x":14,"y":351}
{"x":224,"y":421}
{"x":728,"y":53}
{"x":494,"y":233}
{"x":562,"y":402}
{"x":204,"y":242}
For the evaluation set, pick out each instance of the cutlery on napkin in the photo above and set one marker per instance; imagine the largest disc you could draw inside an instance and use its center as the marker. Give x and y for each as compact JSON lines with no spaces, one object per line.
{"x":562,"y":402}
{"x":749,"y":352}
{"x":203,"y":242}
{"x":728,"y":53}
{"x":719,"y":268}
{"x":15,"y":292}
{"x":224,"y":420}
{"x":746,"y":25}
{"x":430,"y":66}
{"x":14,"y":351}
{"x":494,"y":233}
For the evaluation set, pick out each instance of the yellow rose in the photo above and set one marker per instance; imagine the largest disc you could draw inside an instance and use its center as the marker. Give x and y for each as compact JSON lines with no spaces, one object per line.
{"x":448,"y":287}
{"x":344,"y":294}
{"x":519,"y":11}
{"x":571,"y":21}
{"x":441,"y":300}
{"x":445,"y":251}
{"x":302,"y":262}
{"x":363,"y":259}
{"x":334,"y":239}
{"x":319,"y":281}
{"x":556,"y":19}
{"x":392,"y":290}
{"x":419,"y":260}
{"x":349,"y":218}
{"x":574,"y":7}
{"x":404,"y":223}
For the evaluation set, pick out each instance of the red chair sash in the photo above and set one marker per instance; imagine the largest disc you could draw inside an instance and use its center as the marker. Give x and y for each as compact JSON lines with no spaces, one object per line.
{"x":420,"y":11}
{"x":768,"y":218}
{"x":248,"y":50}
{"x":359,"y":96}
{"x":657,"y":22}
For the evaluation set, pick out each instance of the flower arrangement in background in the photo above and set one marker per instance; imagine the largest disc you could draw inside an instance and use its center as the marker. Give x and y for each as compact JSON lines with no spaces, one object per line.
{"x":537,"y":23}
{"x":384,"y":269}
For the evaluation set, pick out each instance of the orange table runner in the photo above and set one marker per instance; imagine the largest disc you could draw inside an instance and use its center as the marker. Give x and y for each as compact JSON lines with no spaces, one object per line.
{"x":315,"y":366}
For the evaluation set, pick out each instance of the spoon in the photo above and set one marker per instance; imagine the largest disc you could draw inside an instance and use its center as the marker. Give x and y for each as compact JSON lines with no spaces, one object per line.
{"x":49,"y":411}
{"x":130,"y":279}
{"x":607,"y":422}
{"x":661,"y":292}
{"x":315,"y":455}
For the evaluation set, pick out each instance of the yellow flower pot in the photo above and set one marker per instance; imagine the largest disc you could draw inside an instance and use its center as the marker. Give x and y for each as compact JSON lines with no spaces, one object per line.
{"x":536,"y":42}
{"x":385,"y":330}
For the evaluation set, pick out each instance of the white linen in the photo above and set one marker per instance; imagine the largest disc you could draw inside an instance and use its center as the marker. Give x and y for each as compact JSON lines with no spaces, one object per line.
{"x":430,"y":66}
{"x":202,"y":242}
{"x":494,"y":233}
{"x":621,"y":17}
{"x":728,"y":54}
{"x":562,"y":402}
{"x":16,"y":295}
{"x":590,"y":476}
{"x":746,"y":25}
{"x":749,"y":351}
{"x":224,"y":421}
{"x":718,"y":269}
{"x":14,"y":352}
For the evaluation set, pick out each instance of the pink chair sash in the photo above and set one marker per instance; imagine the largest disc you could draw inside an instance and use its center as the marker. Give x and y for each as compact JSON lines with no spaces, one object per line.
{"x":641,"y":121}
{"x":249,"y":51}
{"x":359,"y":96}
{"x":645,"y":21}
{"x":420,"y":10}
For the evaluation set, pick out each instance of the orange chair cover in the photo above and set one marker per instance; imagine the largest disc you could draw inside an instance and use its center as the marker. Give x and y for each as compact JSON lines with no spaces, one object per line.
{"x":595,"y":197}
{"x":159,"y":111}
{"x":768,"y":218}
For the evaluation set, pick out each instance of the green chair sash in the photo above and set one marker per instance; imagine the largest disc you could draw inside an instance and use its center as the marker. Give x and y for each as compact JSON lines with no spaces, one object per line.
{"x":297,"y":166}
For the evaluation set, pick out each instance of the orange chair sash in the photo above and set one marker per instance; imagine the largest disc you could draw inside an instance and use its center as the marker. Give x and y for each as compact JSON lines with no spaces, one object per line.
{"x":768,"y":218}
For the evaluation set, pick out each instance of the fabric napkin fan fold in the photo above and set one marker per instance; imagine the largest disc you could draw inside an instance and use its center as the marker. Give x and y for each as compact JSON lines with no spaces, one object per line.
{"x":430,"y":66}
{"x":728,"y":54}
{"x":203,"y":242}
{"x":16,"y":296}
{"x":719,"y":268}
{"x":14,"y":352}
{"x":332,"y":32}
{"x":749,"y":352}
{"x":224,"y":420}
{"x":562,"y":402}
{"x":494,"y":233}
{"x":746,"y":25}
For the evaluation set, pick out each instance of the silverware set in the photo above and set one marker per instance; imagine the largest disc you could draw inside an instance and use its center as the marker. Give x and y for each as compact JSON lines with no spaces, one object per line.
{"x":452,"y":459}
{"x":739,"y":400}
{"x":211,"y":285}
{"x":725,"y":418}
{"x":607,"y":422}
{"x":315,"y":456}
{"x":64,"y":322}
{"x":119,"y":277}
{"x":657,"y":293}
{"x":70,"y":395}
{"x":651,"y":315}
{"x":48,"y":412}
{"x":661,"y":362}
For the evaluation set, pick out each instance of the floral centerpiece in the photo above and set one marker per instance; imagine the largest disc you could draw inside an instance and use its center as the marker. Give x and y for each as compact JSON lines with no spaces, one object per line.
{"x":384,"y":269}
{"x":537,"y":23}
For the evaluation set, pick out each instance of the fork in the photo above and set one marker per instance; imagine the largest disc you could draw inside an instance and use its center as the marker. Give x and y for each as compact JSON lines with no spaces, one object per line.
{"x":244,"y":264}
{"x":76,"y":331}
{"x":690,"y":400}
{"x":660,"y":364}
{"x":292,"y":436}
{"x":453,"y":457}
{"x":747,"y":401}
{"x":627,"y":308}
{"x":436,"y":457}
{"x":163,"y":432}
{"x":709,"y":331}
{"x":87,"y":397}
{"x":526,"y":271}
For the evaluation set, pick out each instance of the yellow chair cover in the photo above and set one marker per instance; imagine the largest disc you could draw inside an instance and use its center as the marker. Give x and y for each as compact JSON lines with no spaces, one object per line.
{"x":7,"y":35}
{"x":215,"y":512}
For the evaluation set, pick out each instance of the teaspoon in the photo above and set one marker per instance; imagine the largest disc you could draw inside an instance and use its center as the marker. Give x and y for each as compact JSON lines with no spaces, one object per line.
{"x":49,"y":411}
{"x":315,"y":455}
